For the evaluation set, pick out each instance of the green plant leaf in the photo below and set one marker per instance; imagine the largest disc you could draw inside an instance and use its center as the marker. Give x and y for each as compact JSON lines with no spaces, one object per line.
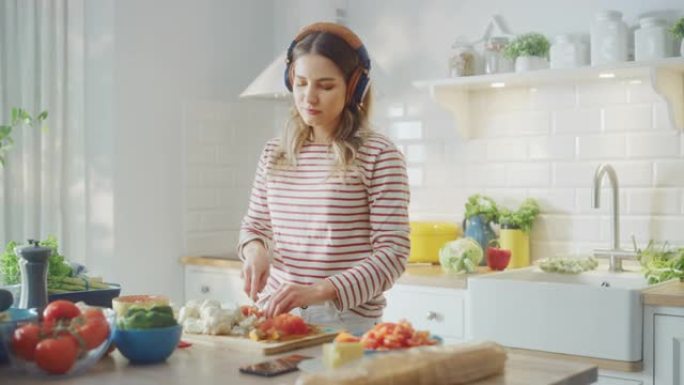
{"x":42,"y":116}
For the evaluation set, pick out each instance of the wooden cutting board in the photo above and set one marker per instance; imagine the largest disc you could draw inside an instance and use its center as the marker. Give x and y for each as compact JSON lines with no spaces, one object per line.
{"x":266,"y":348}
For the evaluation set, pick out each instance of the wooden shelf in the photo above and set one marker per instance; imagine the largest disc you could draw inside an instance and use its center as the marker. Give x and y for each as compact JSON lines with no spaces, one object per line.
{"x":665,"y":75}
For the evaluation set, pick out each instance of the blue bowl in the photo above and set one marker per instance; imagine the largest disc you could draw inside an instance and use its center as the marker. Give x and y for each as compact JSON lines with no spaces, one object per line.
{"x":147,"y":346}
{"x":7,"y":328}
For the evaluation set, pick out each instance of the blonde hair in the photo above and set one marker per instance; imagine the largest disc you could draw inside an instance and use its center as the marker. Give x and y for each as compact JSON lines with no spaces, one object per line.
{"x":354,"y":126}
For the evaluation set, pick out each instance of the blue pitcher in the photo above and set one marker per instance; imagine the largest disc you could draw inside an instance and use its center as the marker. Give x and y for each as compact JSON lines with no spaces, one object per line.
{"x":479,"y":229}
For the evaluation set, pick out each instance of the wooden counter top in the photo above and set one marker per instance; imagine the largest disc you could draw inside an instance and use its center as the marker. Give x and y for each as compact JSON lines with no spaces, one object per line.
{"x":420,"y":274}
{"x":202,"y":364}
{"x":433,"y":275}
{"x":670,"y":293}
{"x":227,"y":262}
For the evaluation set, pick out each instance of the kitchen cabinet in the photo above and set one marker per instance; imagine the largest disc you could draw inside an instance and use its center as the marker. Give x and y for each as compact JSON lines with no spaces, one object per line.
{"x":665,"y":75}
{"x":607,"y":380}
{"x":668,"y":349}
{"x":442,"y":311}
{"x":219,"y":283}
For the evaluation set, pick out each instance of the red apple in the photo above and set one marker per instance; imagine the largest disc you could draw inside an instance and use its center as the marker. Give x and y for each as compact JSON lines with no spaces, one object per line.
{"x":497,"y":259}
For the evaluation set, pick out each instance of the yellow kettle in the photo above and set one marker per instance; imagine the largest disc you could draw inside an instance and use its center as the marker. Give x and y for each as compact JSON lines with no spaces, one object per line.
{"x":427,"y":237}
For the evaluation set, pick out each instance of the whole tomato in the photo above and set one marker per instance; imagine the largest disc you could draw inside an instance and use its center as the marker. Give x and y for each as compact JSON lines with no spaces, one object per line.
{"x":24,"y":341}
{"x":56,"y":355}
{"x":60,"y":310}
{"x":93,"y":331}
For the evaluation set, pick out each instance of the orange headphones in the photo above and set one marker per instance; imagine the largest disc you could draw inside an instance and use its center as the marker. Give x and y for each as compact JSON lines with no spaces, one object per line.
{"x":359,"y":82}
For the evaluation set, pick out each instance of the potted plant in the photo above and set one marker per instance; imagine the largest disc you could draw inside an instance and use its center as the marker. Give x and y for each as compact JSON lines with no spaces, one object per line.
{"x":514,"y":234}
{"x":678,"y":31}
{"x":530,"y":52}
{"x":19,"y":117}
{"x":480,"y":212}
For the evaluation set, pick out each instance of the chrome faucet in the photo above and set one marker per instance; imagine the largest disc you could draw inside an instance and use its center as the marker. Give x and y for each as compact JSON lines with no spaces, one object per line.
{"x":615,"y":254}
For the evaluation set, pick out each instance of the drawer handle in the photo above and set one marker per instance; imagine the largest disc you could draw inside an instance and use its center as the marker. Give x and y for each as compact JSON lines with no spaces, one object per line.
{"x":431,"y":316}
{"x":204,"y":289}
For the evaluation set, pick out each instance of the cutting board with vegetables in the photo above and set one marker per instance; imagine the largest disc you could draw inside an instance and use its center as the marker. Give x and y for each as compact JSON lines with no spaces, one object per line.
{"x":264,"y":347}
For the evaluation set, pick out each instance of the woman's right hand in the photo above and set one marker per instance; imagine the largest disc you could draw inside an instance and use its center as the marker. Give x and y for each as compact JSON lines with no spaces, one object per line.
{"x":255,"y":269}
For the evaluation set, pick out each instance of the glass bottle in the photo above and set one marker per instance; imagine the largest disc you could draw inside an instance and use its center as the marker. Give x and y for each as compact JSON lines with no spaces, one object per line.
{"x":462,"y":60}
{"x":652,"y":40}
{"x":608,"y":38}
{"x":495,"y":61}
{"x":568,"y":52}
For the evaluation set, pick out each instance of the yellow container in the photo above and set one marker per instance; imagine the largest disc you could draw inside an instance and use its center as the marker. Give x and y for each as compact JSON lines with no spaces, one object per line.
{"x":427,"y":237}
{"x":518,"y":243}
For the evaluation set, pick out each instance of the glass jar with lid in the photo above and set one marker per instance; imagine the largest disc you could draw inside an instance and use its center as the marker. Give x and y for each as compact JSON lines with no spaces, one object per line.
{"x":568,"y":52}
{"x":608,"y":38}
{"x":495,"y":61}
{"x":652,"y":40}
{"x":462,"y":61}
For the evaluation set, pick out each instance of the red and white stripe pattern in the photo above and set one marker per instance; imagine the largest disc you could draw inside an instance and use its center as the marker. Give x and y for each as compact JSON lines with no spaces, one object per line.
{"x":353,"y":232}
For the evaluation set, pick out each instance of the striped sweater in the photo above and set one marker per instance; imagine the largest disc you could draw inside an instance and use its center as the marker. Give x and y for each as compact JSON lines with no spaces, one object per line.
{"x":353,"y":232}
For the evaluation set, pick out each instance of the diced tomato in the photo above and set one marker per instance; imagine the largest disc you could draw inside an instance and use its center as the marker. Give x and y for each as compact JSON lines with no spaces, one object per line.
{"x":388,"y":335}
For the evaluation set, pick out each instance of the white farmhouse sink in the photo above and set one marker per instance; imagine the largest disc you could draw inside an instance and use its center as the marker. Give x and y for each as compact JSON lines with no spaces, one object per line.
{"x":595,"y":314}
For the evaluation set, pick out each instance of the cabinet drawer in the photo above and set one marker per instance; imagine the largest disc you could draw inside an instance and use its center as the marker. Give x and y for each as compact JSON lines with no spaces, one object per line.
{"x":608,"y":380}
{"x":224,"y":285}
{"x":440,"y":311}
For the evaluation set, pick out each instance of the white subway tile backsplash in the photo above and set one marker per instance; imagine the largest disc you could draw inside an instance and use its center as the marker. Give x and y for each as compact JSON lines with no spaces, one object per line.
{"x":592,"y":94}
{"x":415,"y":153}
{"x":566,"y":228}
{"x":193,"y":221}
{"x":529,"y":175}
{"x":201,"y":155}
{"x":509,"y":198}
{"x":551,"y":147}
{"x":218,"y":177}
{"x":553,"y":97}
{"x":634,"y":174}
{"x":475,"y":152}
{"x":200,"y":198}
{"x":554,"y":200}
{"x":629,"y":117}
{"x":661,"y":117}
{"x":405,"y":130}
{"x":193,"y":176}
{"x":216,"y":220}
{"x":544,"y":249}
{"x":601,"y":147}
{"x":654,"y":201}
{"x":214,"y":132}
{"x":581,"y":120}
{"x":531,"y":123}
{"x":569,"y":174}
{"x":656,"y":145}
{"x":486,"y":175}
{"x":212,"y":243}
{"x":506,"y":149}
{"x":584,"y":196}
{"x":415,"y":175}
{"x":669,"y":173}
{"x":640,"y":91}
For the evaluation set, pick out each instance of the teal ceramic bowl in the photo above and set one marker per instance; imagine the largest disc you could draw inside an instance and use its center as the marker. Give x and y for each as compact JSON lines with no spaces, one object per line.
{"x":147,"y":346}
{"x":16,"y":316}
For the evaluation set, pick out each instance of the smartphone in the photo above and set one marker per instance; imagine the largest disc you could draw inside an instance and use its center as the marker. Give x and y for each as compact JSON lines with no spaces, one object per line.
{"x":275,"y":367}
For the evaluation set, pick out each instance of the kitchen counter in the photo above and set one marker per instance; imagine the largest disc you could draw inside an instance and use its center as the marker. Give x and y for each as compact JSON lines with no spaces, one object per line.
{"x":420,"y":274}
{"x":203,"y":364}
{"x":670,"y":293}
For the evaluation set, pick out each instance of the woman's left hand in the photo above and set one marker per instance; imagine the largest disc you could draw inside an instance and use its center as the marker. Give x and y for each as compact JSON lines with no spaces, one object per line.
{"x":291,"y":295}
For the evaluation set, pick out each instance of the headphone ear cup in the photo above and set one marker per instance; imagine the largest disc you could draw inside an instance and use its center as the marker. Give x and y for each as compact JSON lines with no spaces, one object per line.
{"x":361,"y":88}
{"x":289,"y":75}
{"x":351,"y":87}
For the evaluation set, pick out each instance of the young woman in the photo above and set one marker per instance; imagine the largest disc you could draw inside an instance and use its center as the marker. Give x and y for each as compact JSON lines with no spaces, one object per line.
{"x":326,"y":232}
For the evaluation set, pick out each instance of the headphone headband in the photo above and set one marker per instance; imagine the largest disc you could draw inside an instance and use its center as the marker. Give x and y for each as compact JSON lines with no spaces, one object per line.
{"x":359,"y":81}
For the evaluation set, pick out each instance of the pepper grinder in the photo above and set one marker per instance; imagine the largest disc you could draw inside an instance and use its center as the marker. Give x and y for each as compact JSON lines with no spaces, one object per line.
{"x":33,"y":262}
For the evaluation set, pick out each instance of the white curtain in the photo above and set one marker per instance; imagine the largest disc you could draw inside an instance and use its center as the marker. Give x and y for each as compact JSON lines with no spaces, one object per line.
{"x":42,"y":68}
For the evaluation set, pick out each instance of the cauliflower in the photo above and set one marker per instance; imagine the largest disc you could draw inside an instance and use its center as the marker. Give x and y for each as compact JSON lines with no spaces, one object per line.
{"x":461,"y":255}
